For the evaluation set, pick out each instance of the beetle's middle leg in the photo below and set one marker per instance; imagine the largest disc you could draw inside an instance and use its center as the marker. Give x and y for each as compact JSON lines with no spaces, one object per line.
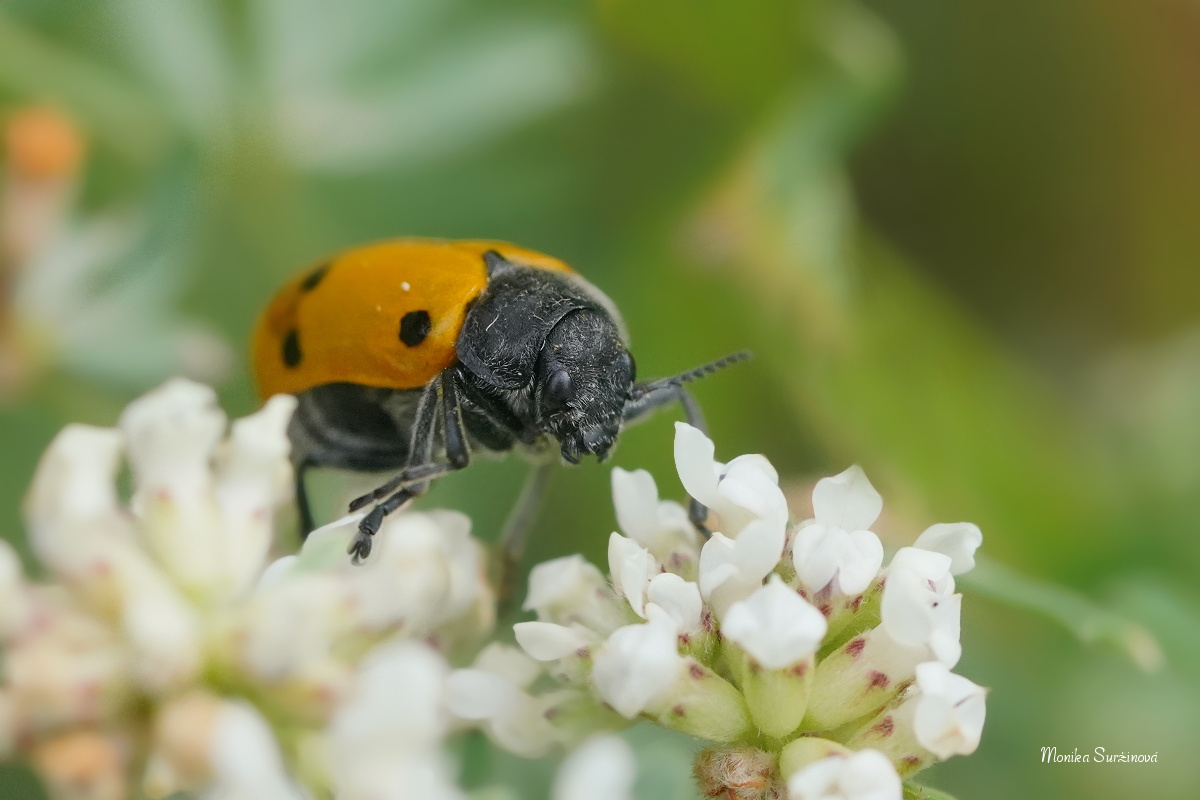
{"x":440,"y":400}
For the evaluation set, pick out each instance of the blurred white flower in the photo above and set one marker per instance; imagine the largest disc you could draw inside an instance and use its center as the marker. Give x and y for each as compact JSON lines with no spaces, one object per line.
{"x":639,"y":665}
{"x":602,"y":768}
{"x":569,"y":589}
{"x":495,"y":691}
{"x":164,"y":604}
{"x":386,"y":739}
{"x":865,"y":775}
{"x":546,"y":641}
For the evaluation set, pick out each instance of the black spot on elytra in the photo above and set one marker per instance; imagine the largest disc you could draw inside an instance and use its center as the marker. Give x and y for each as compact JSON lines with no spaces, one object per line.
{"x":414,"y":327}
{"x":313,"y":278}
{"x":291,"y":348}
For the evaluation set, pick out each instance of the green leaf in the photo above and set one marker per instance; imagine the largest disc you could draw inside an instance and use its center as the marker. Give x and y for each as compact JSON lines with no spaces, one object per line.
{"x":1088,"y":621}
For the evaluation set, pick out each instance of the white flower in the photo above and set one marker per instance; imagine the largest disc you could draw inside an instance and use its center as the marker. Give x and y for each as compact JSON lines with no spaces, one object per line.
{"x":950,"y":711}
{"x":929,"y":565}
{"x":638,"y":665}
{"x":425,"y":571}
{"x":515,"y":719}
{"x":245,"y":758}
{"x":170,"y":599}
{"x":386,"y":740}
{"x":865,"y":775}
{"x":631,"y":567}
{"x":679,"y":599}
{"x":740,"y":492}
{"x":775,"y":625}
{"x":569,"y":589}
{"x":838,"y":547}
{"x":602,"y":768}
{"x":958,"y":540}
{"x":216,"y":749}
{"x":546,"y":641}
{"x":637,"y":576}
{"x":287,"y":630}
{"x":71,"y":509}
{"x":494,"y":691}
{"x":171,"y":435}
{"x":253,"y":476}
{"x":732,"y":569}
{"x":662,"y":527}
{"x":917,"y":610}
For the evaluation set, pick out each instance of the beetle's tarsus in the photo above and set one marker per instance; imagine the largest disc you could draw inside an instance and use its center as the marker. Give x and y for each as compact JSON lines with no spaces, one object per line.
{"x":360,"y":547}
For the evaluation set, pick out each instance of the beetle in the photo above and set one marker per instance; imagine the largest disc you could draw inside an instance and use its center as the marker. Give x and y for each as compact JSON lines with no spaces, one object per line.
{"x":411,"y":355}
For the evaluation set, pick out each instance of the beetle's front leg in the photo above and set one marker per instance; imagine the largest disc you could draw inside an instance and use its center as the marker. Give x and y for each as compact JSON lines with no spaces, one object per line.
{"x":439,"y":399}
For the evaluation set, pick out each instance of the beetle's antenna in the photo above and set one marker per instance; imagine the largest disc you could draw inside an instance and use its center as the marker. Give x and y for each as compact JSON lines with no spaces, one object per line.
{"x":651,"y":387}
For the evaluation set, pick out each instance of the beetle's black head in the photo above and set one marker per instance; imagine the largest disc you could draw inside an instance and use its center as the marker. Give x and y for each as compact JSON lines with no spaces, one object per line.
{"x":583,"y":380}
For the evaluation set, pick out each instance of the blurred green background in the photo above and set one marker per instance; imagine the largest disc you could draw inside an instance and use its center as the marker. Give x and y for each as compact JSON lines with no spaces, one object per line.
{"x":963,"y":240}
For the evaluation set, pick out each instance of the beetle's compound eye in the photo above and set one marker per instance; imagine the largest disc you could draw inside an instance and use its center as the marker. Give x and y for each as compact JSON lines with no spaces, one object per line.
{"x":559,"y":389}
{"x":627,"y":364}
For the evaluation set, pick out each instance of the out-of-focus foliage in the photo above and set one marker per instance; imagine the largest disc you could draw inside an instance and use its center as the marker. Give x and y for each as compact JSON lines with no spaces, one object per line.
{"x":959,"y":237}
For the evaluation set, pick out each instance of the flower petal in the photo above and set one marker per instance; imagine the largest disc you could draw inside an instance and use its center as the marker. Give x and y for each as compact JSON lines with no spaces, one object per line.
{"x":546,"y":641}
{"x":775,"y":625}
{"x":865,"y":775}
{"x":698,"y":471}
{"x":631,"y":567}
{"x":950,"y":711}
{"x":638,"y":665}
{"x":680,"y":600}
{"x":602,"y":768}
{"x":958,"y":540}
{"x":635,"y":498}
{"x":847,"y":501}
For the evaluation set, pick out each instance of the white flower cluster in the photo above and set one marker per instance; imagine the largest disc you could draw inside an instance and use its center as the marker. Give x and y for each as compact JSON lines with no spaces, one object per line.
{"x":167,"y":653}
{"x":152,"y":662}
{"x":791,"y":638}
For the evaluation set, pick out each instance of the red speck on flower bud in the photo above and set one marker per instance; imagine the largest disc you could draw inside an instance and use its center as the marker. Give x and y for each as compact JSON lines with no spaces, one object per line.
{"x":878,"y":680}
{"x":885,"y":726}
{"x":799,"y":670}
{"x":855,"y":646}
{"x":696,"y":671}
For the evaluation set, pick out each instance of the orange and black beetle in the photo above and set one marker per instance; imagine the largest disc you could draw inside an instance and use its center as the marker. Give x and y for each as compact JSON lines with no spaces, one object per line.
{"x":411,"y":354}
